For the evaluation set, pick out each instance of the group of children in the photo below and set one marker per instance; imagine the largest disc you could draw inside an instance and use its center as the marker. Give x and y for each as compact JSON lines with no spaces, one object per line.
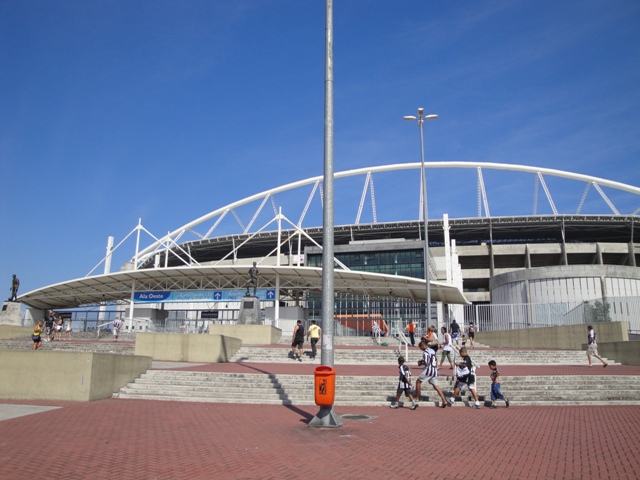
{"x":465,"y":379}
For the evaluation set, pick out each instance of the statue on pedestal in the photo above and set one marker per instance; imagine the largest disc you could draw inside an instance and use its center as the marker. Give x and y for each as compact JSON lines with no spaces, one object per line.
{"x":253,"y":279}
{"x":15,"y":284}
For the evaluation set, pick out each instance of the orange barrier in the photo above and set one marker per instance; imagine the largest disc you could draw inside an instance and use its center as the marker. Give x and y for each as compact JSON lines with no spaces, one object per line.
{"x":325,"y":386}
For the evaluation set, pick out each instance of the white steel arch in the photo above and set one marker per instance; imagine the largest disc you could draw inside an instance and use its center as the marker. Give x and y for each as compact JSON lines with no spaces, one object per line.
{"x":538,"y":172}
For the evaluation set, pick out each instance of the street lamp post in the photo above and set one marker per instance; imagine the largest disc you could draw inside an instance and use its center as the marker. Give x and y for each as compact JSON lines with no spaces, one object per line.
{"x":420,"y":119}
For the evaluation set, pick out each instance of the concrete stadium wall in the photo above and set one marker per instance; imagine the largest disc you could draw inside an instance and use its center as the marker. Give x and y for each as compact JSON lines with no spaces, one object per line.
{"x":249,"y":334}
{"x":568,"y":337}
{"x":69,"y":376}
{"x":173,"y":347}
{"x":566,"y":283}
{"x":627,"y":353}
{"x":12,"y":331}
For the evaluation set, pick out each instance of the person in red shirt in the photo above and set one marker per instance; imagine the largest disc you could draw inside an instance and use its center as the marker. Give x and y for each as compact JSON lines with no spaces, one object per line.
{"x":411,"y":330}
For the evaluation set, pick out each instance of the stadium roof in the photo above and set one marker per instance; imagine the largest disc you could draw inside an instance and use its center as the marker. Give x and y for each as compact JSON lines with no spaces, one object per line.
{"x":466,"y":231}
{"x":102,"y":289}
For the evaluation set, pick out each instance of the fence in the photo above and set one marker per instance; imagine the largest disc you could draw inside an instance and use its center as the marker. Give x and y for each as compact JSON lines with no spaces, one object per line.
{"x":90,"y":320}
{"x":516,"y":316}
{"x":485,"y":317}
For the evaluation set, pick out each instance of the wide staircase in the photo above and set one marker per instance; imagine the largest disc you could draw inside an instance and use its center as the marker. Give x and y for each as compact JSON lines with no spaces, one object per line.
{"x":356,"y":390}
{"x":373,"y":390}
{"x":368,"y":390}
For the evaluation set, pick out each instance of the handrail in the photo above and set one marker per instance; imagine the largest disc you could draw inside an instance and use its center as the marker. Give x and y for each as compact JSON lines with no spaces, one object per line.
{"x":398,"y":333}
{"x":403,"y":339}
{"x":100,"y":326}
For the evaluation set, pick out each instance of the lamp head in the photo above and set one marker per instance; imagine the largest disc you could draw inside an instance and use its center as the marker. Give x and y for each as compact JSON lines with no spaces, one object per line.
{"x":410,"y":117}
{"x":420,"y":112}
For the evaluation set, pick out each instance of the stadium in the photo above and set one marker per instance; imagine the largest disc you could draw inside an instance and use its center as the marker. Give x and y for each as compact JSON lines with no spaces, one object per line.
{"x":573,"y":258}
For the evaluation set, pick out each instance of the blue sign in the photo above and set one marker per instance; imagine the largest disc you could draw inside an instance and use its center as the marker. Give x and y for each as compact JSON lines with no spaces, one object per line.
{"x":193,"y":296}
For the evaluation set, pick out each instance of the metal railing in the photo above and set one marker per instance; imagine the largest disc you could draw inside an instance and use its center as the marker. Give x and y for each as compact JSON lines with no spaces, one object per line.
{"x":398,"y":332}
{"x":532,"y":315}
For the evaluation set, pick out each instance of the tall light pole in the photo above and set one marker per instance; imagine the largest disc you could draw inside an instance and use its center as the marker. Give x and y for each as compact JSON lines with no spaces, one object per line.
{"x":420,"y":119}
{"x":327,"y":417}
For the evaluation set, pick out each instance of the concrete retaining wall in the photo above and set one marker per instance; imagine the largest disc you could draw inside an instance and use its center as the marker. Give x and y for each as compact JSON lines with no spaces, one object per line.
{"x":627,"y":353}
{"x":187,"y":348}
{"x":68,"y":376}
{"x":249,"y":334}
{"x":568,"y":337}
{"x":12,"y":331}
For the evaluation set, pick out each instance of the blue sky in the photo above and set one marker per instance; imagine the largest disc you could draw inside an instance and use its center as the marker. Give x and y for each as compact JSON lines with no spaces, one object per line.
{"x":112,"y":111}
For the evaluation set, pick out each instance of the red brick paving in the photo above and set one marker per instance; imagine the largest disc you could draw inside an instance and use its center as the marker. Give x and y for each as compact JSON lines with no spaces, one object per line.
{"x":156,"y":440}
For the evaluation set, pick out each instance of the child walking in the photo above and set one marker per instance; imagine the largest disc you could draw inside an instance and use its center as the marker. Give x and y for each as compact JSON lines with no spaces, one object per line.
{"x":404,"y":385}
{"x":465,"y":378}
{"x":429,"y":373}
{"x":67,"y":332}
{"x":496,"y":394}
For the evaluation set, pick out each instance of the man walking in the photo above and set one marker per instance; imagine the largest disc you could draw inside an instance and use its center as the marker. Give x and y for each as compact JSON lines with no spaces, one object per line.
{"x":117,"y":325}
{"x":314,"y":334}
{"x":411,"y":330}
{"x":455,"y":331}
{"x":298,"y":340}
{"x":592,"y":346}
{"x":48,"y":326}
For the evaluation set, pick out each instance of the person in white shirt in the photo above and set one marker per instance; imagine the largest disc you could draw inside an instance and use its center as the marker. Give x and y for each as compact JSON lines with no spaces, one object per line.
{"x":117,"y":325}
{"x":447,"y":347}
{"x":592,"y":346}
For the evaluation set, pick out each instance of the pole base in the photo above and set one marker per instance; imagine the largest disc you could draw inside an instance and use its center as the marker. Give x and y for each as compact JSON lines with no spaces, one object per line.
{"x":326,"y":418}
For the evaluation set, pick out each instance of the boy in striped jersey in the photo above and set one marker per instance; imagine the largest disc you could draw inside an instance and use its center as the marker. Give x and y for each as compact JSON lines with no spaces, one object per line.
{"x":404,"y":385}
{"x":430,"y":372}
{"x":465,"y":378}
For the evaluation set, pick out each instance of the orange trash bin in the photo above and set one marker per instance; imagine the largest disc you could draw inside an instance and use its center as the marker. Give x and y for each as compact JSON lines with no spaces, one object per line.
{"x":325,"y":386}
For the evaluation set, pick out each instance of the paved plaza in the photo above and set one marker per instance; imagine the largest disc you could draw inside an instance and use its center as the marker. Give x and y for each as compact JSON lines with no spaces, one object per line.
{"x":158,"y":440}
{"x":164,"y":440}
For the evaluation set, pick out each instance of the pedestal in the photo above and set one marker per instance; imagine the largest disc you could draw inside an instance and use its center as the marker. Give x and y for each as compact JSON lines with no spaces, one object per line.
{"x":326,"y":418}
{"x":249,"y":311}
{"x":11,"y":314}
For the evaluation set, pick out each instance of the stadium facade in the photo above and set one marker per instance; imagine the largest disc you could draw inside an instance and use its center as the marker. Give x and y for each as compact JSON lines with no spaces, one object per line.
{"x":557,"y":262}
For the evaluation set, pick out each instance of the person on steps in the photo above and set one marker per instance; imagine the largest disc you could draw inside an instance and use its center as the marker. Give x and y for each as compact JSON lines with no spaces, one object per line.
{"x":298,"y":340}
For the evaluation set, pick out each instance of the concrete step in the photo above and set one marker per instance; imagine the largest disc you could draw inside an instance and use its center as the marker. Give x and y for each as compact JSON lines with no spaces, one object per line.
{"x":354,"y":390}
{"x":360,"y":341}
{"x":423,"y":403}
{"x":349,"y":395}
{"x":121,"y":348}
{"x":254,"y":354}
{"x":382,"y":357}
{"x":190,"y":377}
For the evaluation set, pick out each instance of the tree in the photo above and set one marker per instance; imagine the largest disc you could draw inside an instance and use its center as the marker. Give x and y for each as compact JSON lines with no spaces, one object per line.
{"x":596,"y":312}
